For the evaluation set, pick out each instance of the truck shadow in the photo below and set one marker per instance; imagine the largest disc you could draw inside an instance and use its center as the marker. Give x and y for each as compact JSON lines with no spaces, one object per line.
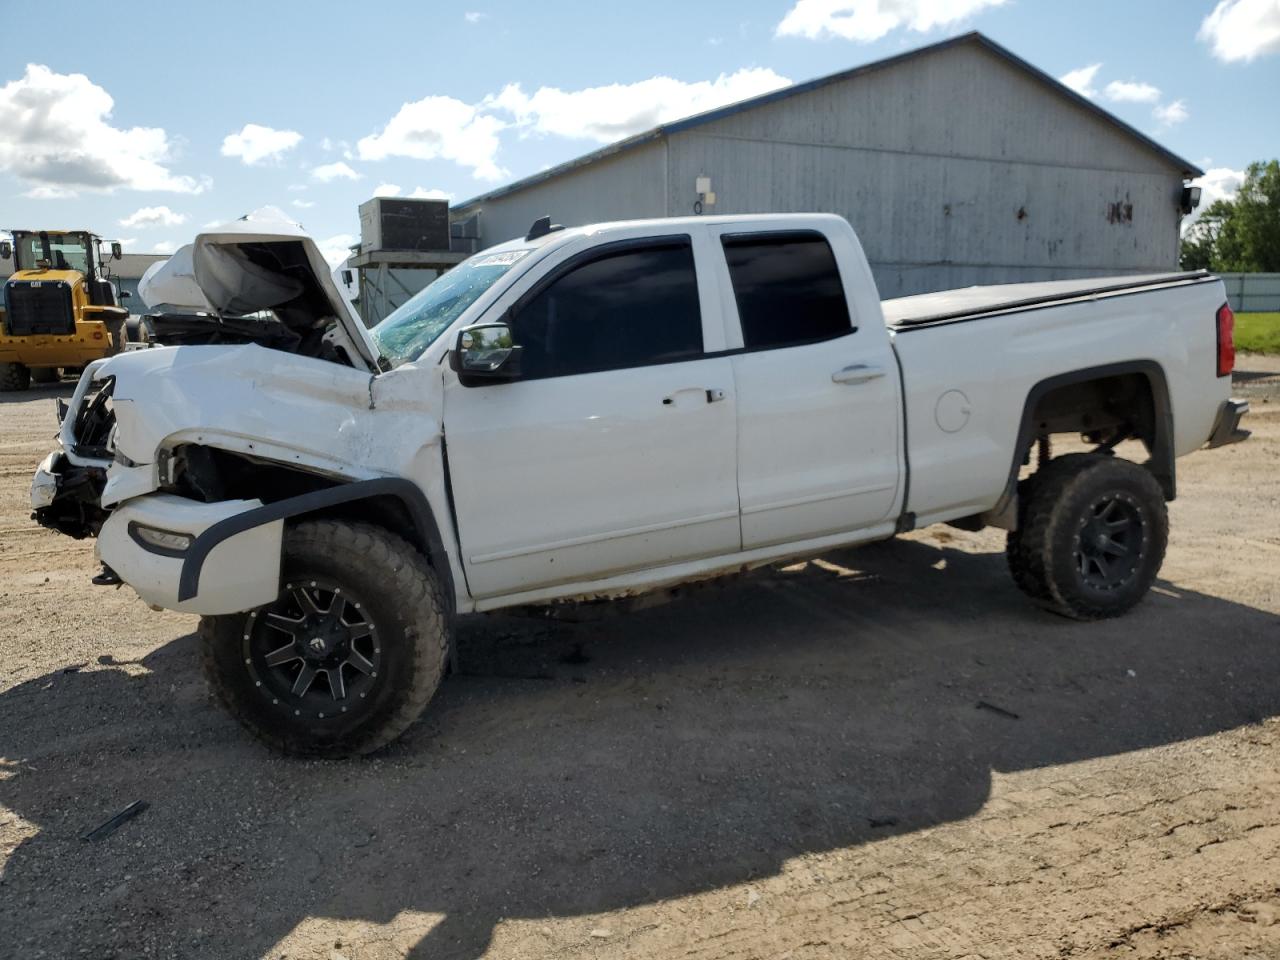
{"x":577,"y":768}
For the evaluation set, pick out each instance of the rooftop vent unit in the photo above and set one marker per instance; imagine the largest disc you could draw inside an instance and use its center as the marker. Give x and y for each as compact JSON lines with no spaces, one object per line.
{"x":394,"y":223}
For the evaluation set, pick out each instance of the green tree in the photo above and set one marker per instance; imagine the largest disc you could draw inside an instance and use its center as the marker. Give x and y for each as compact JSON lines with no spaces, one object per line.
{"x":1241,"y":235}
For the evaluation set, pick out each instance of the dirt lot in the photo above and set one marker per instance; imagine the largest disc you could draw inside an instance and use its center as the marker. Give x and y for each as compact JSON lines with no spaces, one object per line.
{"x":793,"y":766}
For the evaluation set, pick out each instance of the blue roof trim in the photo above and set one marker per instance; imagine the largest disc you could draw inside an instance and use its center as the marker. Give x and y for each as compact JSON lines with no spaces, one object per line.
{"x":1188,"y":168}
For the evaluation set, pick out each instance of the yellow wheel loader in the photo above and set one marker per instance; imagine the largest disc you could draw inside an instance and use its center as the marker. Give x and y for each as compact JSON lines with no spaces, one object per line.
{"x":61,"y":308}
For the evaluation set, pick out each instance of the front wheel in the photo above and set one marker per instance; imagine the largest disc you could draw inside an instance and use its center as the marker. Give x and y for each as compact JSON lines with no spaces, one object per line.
{"x":45,"y":375}
{"x":348,"y":655}
{"x":1093,"y":537}
{"x":14,"y":377}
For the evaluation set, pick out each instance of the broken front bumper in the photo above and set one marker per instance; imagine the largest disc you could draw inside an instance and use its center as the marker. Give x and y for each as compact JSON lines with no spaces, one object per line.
{"x":154,"y":544}
{"x":67,"y":497}
{"x":1227,"y":427}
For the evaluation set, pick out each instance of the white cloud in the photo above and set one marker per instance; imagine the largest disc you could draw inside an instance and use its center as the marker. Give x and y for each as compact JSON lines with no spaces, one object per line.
{"x":440,"y":127}
{"x":1081,"y":80}
{"x":1242,"y":29}
{"x":302,"y":204}
{"x":153,"y":217}
{"x":334,"y":171}
{"x":164,"y":246}
{"x":47,"y":192}
{"x":256,"y":143}
{"x":1218,"y":183}
{"x":57,"y":135}
{"x":420,"y":193}
{"x":619,"y":110}
{"x":387,"y":190}
{"x":1170,"y":114}
{"x":1131,"y":91}
{"x":868,"y":20}
{"x":126,"y":242}
{"x":474,"y":16}
{"x":337,"y":248}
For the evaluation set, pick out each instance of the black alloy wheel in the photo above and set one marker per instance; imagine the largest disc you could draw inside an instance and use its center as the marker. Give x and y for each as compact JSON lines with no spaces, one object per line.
{"x":1108,"y":545}
{"x":347,"y":655}
{"x":1092,"y":532}
{"x":313,"y":651}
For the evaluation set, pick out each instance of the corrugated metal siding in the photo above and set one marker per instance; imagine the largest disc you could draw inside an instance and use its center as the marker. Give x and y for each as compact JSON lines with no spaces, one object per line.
{"x":957,"y":102}
{"x":628,"y":186}
{"x":1252,"y":292}
{"x":928,"y":222}
{"x":955,"y":168}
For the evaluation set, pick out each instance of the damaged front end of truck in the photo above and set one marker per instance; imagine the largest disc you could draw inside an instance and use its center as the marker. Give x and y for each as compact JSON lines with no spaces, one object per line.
{"x":158,"y":445}
{"x":66,"y":494}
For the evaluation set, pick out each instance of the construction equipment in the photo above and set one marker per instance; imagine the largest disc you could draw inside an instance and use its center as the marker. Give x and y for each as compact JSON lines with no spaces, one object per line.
{"x":61,"y":308}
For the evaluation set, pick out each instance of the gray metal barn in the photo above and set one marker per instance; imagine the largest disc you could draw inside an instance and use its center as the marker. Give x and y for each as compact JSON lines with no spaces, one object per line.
{"x":958,"y":164}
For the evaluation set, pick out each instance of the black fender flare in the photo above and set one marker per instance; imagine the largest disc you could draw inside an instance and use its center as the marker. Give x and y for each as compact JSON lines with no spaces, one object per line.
{"x":403,"y":490}
{"x":1161,"y":463}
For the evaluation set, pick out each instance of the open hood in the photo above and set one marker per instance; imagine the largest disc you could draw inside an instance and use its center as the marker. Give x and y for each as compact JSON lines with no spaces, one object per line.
{"x":172,"y":283}
{"x":264,"y":261}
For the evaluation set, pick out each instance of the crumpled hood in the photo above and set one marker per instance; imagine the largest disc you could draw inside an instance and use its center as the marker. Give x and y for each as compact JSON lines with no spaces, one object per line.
{"x":247,"y":398}
{"x":263,"y":261}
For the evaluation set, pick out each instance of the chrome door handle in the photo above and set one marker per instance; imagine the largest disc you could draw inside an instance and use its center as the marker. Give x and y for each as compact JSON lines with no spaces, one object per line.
{"x":857,"y":373}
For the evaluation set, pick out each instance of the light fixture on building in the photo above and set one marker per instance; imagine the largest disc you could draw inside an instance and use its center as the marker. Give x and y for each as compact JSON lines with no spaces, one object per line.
{"x":706,"y":196}
{"x":1189,"y":200}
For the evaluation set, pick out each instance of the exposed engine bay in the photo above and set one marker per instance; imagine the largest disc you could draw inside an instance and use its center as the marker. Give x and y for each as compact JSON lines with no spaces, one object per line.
{"x":257,"y":280}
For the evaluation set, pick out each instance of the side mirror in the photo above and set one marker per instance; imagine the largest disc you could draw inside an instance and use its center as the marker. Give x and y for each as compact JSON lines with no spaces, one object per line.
{"x":6,"y":249}
{"x":117,"y":251}
{"x":485,"y":353}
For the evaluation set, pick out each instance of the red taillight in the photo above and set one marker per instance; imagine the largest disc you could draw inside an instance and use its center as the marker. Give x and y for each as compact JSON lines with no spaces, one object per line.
{"x":1226,"y":340}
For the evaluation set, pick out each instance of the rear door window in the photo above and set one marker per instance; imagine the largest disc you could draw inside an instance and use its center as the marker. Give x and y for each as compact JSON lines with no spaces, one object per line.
{"x":788,"y":289}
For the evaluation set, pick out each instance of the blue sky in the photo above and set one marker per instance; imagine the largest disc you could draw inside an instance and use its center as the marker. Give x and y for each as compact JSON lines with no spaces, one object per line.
{"x":163,"y":117}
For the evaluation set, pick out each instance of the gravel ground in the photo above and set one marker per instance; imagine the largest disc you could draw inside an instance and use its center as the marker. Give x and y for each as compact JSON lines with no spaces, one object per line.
{"x":794,"y":765}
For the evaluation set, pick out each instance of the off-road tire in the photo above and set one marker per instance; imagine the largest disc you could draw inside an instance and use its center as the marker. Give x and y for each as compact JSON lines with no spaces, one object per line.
{"x":45,"y":375}
{"x":14,"y":377}
{"x":1027,"y":567}
{"x":1053,"y":545}
{"x":400,"y":593}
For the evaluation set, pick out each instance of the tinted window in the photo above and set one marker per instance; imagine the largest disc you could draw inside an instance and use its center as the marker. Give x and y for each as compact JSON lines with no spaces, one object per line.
{"x":624,"y":309}
{"x":788,"y":289}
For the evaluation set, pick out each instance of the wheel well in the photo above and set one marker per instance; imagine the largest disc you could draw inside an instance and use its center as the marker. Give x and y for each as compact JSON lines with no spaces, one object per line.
{"x":1105,"y":410}
{"x":1104,"y":406}
{"x":386,"y":511}
{"x":210,"y":474}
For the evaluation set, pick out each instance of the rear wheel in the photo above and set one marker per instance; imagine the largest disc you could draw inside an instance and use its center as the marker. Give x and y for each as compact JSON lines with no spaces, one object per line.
{"x":1093,"y":536}
{"x":14,"y":376}
{"x":45,"y":375}
{"x":1026,"y":565}
{"x":347,"y":656}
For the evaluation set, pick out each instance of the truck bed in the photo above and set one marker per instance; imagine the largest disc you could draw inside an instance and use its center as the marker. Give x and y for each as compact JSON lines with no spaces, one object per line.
{"x":969,"y":303}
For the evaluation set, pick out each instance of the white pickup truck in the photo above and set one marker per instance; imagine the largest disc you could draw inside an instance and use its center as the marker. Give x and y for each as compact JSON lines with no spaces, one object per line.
{"x":599,"y":412}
